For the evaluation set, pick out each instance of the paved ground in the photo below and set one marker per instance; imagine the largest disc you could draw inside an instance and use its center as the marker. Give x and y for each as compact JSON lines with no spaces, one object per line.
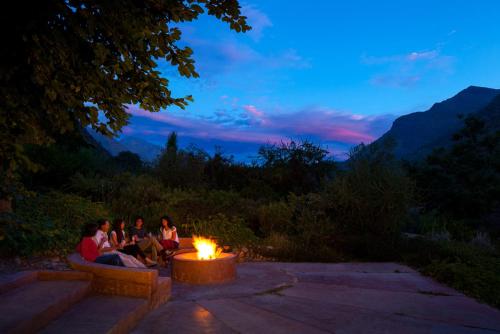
{"x":318,"y":298}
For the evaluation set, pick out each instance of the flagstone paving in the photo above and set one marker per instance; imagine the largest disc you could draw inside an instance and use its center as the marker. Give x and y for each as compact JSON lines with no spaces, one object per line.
{"x":289,"y":298}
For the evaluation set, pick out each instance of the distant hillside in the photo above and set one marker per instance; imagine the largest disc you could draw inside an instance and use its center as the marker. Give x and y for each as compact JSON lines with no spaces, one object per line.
{"x":146,"y":150}
{"x":417,"y":134}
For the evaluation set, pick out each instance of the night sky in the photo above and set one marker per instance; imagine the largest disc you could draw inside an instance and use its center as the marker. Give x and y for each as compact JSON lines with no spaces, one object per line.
{"x":334,"y":72}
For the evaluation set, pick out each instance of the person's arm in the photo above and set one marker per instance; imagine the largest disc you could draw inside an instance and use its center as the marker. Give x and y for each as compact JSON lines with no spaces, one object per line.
{"x":106,"y":249}
{"x":102,"y":249}
{"x":134,"y":235}
{"x":174,"y":234}
{"x":114,"y":239}
{"x":127,"y":240}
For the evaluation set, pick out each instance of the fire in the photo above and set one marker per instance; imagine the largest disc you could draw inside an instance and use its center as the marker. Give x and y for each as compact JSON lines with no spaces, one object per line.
{"x":206,"y":248}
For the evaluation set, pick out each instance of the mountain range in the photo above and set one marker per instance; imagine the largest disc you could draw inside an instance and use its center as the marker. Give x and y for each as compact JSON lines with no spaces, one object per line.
{"x":415,"y":135}
{"x":146,"y":150}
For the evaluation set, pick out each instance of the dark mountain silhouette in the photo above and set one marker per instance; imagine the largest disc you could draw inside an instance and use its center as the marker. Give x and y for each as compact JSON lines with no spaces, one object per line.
{"x":146,"y":150}
{"x":415,"y":135}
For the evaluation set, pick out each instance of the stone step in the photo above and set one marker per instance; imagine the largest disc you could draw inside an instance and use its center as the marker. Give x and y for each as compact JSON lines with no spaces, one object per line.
{"x":100,"y":314}
{"x":31,"y":306}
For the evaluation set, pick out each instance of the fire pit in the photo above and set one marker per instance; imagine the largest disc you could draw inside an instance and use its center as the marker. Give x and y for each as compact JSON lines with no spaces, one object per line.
{"x":207,"y":266}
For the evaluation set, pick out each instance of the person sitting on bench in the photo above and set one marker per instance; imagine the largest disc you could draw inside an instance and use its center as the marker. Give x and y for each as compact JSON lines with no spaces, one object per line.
{"x":123,"y":244}
{"x":145,"y":241}
{"x":168,"y":234}
{"x":90,"y":251}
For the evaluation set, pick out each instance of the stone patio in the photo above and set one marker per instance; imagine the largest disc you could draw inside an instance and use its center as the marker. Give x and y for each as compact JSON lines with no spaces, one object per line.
{"x":321,"y":298}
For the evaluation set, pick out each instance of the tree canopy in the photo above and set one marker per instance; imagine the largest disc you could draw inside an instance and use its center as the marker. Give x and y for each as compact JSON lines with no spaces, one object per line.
{"x":463,"y":180}
{"x":69,"y":64}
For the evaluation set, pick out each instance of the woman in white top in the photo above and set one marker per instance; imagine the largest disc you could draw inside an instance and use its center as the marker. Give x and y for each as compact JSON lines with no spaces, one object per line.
{"x":101,"y":237}
{"x":168,"y":234}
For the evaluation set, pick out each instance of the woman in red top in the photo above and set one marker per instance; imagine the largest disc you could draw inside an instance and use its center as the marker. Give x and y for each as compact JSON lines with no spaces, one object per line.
{"x":89,"y":250}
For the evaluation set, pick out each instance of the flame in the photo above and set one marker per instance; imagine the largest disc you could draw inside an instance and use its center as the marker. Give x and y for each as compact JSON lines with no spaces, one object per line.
{"x":206,"y":248}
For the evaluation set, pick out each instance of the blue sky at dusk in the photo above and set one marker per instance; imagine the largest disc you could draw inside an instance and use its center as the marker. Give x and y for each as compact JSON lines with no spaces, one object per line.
{"x":334,"y":72}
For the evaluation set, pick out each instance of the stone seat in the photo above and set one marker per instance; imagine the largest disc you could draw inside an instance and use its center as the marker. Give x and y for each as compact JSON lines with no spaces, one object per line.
{"x":122,"y":281}
{"x":186,"y":244}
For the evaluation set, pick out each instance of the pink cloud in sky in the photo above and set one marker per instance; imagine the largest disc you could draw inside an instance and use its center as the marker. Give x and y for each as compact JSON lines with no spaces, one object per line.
{"x":252,"y":110}
{"x":319,"y":124}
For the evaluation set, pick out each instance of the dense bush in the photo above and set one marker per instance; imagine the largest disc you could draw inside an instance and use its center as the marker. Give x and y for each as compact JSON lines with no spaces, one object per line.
{"x":139,"y":195}
{"x":369,"y":203}
{"x":287,"y":248}
{"x":463,"y":181}
{"x":230,"y":231}
{"x":50,"y":222}
{"x":298,"y":229}
{"x":468,"y":268}
{"x":298,"y":167}
{"x":275,"y":217}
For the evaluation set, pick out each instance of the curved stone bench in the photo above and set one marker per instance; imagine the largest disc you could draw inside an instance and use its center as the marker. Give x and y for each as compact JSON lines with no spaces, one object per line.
{"x":185,"y":246}
{"x":185,"y":243}
{"x":122,"y":281}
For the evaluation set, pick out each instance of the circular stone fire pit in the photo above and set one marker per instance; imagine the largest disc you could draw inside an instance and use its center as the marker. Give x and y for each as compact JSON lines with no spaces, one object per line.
{"x":188,"y":268}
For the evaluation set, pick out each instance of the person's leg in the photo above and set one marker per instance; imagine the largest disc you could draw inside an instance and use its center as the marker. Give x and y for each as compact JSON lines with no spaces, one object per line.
{"x":139,"y":251}
{"x":144,"y":244}
{"x":130,"y":250}
{"x":135,"y":251}
{"x":168,"y":244}
{"x":157,"y":248}
{"x":110,"y":259}
{"x":156,"y":244}
{"x":148,"y":244}
{"x":154,"y":252}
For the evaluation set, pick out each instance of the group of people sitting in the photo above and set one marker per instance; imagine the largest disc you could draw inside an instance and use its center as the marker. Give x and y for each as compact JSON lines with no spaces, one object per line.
{"x":130,"y":249}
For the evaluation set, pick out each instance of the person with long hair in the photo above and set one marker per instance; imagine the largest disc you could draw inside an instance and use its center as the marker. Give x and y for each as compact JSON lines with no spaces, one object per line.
{"x":90,"y":251}
{"x":169,"y":238}
{"x":123,"y":244}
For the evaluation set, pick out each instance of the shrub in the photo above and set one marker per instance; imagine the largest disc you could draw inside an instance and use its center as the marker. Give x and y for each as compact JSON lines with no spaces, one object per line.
{"x":298,"y":229}
{"x":140,"y":195}
{"x":465,"y":267}
{"x":230,"y":231}
{"x":48,"y":222}
{"x":275,"y":217}
{"x":440,"y":227}
{"x":369,"y":204}
{"x":463,"y":180}
{"x":289,"y":248}
{"x":204,"y":204}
